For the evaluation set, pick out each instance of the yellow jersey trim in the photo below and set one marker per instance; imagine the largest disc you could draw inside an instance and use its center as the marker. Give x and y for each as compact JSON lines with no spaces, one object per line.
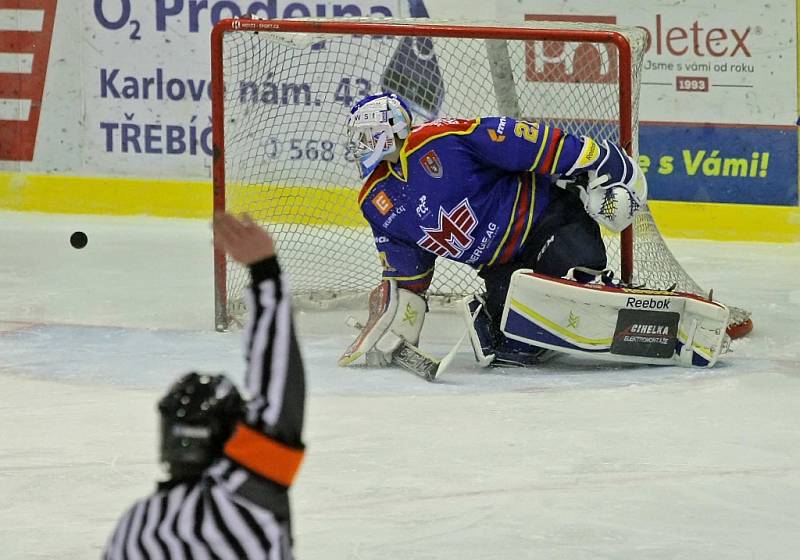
{"x":558,"y":155}
{"x":380,"y":179}
{"x":407,"y":278}
{"x":545,"y":138}
{"x":530,"y":210}
{"x":405,"y":154}
{"x":510,"y":225}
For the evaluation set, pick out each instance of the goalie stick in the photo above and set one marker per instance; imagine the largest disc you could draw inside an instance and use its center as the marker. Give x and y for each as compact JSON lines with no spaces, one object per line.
{"x":416,"y":361}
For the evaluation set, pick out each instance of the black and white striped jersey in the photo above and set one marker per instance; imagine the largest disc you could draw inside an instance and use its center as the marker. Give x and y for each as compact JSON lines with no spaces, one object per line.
{"x":239,"y":508}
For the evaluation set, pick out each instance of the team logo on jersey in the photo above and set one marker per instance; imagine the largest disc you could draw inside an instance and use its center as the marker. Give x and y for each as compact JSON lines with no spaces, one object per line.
{"x":383,"y":203}
{"x":452,"y":236}
{"x":432,"y":164}
{"x":496,"y":137}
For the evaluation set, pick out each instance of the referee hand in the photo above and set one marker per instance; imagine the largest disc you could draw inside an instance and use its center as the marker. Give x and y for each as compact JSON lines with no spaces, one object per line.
{"x":244,"y":240}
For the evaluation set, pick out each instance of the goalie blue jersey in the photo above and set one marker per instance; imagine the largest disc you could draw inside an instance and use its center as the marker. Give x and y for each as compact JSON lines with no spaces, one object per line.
{"x":466,"y":190}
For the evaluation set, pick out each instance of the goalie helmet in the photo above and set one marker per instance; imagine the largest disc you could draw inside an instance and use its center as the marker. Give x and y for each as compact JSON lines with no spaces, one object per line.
{"x":198,"y":415}
{"x":372,"y":126}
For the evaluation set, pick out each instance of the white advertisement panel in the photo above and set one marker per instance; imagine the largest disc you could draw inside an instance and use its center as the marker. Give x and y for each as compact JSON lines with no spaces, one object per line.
{"x":117,"y":88}
{"x":153,"y":97}
{"x":705,"y":62}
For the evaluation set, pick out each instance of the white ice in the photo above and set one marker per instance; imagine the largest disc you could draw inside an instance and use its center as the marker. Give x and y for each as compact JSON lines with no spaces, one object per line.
{"x":575,"y":460}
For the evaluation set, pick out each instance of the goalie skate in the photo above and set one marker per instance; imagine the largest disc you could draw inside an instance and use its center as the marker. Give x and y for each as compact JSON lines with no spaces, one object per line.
{"x":489,"y":345}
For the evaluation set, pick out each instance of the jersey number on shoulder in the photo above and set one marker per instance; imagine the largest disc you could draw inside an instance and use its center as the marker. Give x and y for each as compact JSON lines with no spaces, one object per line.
{"x":526,"y":130}
{"x":452,"y":236}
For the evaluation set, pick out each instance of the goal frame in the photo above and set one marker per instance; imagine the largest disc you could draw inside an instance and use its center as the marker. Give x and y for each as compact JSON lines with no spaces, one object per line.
{"x":434,"y":30}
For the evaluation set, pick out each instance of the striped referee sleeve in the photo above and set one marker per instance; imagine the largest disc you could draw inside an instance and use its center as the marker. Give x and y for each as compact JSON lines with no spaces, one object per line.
{"x":269,"y":442}
{"x":230,"y":513}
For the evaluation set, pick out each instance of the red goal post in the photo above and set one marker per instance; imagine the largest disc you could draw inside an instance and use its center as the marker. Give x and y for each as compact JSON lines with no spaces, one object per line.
{"x":281,"y":90}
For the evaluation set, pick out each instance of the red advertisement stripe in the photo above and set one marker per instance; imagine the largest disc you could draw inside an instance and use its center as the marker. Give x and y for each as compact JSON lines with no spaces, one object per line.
{"x":21,"y":41}
{"x":18,"y":138}
{"x":19,"y":86}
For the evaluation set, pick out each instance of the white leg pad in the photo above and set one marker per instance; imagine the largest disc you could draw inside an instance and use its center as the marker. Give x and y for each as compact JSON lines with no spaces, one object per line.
{"x":395,"y":315}
{"x":617,"y":324}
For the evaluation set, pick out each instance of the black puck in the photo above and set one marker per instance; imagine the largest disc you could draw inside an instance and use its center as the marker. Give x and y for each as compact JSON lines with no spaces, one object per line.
{"x":78,"y":240}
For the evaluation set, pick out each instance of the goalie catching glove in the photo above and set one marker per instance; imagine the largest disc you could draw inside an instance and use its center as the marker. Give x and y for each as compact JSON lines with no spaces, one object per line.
{"x":396,"y":316}
{"x":612,"y":192}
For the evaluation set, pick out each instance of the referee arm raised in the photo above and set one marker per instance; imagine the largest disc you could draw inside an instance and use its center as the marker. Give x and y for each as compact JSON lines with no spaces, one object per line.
{"x":230,"y":461}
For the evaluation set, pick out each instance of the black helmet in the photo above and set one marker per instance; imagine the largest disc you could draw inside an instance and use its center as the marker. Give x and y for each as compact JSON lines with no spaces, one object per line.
{"x":198,"y":415}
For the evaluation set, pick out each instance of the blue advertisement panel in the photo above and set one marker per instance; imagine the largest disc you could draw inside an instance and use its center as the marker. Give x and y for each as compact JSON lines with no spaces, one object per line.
{"x":718,"y":99}
{"x":713,"y":163}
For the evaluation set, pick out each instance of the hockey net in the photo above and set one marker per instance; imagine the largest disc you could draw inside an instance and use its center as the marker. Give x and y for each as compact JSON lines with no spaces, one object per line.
{"x":282,"y":91}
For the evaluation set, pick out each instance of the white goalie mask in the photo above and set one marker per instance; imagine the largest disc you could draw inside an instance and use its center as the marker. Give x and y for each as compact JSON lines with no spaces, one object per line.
{"x":372,"y":126}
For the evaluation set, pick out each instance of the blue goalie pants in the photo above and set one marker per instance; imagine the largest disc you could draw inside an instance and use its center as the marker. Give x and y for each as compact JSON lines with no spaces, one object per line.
{"x":565,"y":237}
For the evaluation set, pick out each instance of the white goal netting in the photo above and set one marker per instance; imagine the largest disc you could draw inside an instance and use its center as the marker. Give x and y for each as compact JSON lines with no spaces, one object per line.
{"x":287,"y":94}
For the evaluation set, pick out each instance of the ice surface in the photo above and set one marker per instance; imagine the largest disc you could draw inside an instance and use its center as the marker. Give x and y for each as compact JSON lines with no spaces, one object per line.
{"x":576,"y":460}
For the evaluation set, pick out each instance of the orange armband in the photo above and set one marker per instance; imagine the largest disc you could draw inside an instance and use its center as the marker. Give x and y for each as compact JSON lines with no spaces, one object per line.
{"x":264,"y":455}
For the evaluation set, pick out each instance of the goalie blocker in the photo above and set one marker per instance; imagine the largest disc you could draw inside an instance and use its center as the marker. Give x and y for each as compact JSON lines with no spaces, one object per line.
{"x":614,"y":323}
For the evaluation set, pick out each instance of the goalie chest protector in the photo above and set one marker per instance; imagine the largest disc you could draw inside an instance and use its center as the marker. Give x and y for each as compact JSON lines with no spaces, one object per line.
{"x":618,"y":324}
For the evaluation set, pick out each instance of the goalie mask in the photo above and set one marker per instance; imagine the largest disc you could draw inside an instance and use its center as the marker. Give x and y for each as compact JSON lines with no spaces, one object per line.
{"x":198,"y":415}
{"x":372,"y":126}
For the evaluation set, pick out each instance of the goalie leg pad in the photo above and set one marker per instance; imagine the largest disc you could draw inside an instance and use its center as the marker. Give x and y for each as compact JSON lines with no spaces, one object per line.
{"x":395,"y":315}
{"x":614,"y":323}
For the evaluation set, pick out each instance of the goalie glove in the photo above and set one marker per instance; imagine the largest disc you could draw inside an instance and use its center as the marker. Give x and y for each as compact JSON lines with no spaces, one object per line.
{"x":614,"y":191}
{"x":395,"y":315}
